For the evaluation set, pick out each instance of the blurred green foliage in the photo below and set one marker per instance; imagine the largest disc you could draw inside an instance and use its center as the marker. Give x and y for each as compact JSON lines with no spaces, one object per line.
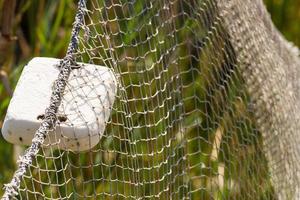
{"x":286,"y":16}
{"x":43,"y":29}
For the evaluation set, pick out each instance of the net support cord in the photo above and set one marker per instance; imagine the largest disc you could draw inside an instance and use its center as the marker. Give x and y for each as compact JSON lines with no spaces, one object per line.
{"x":11,"y":189}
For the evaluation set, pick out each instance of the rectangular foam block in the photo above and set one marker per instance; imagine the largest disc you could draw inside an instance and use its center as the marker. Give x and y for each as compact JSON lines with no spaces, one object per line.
{"x":82,"y":115}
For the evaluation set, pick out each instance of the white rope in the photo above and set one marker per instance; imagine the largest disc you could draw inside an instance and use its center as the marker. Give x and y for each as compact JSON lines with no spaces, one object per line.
{"x":11,"y":189}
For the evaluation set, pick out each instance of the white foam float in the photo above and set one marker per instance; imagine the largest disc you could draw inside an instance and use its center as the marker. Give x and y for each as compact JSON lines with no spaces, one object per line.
{"x":82,"y":116}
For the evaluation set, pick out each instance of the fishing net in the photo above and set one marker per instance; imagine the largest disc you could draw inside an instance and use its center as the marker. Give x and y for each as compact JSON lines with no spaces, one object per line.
{"x":207,"y":106}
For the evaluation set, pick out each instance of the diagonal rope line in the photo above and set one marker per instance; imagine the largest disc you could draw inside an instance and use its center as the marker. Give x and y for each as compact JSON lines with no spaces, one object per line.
{"x":11,"y":189}
{"x":206,"y":105}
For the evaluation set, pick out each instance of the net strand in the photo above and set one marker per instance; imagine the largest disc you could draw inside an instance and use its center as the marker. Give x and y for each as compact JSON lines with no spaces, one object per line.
{"x":48,"y":123}
{"x":206,"y":106}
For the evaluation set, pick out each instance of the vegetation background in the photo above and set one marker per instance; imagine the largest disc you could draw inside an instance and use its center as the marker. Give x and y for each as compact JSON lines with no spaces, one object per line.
{"x":42,"y":28}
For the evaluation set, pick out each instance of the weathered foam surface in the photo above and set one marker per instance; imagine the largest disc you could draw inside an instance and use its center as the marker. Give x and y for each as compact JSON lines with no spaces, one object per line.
{"x":86,"y":104}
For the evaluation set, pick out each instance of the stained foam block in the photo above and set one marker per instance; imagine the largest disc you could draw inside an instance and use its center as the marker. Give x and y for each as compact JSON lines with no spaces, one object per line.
{"x":83,"y":113}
